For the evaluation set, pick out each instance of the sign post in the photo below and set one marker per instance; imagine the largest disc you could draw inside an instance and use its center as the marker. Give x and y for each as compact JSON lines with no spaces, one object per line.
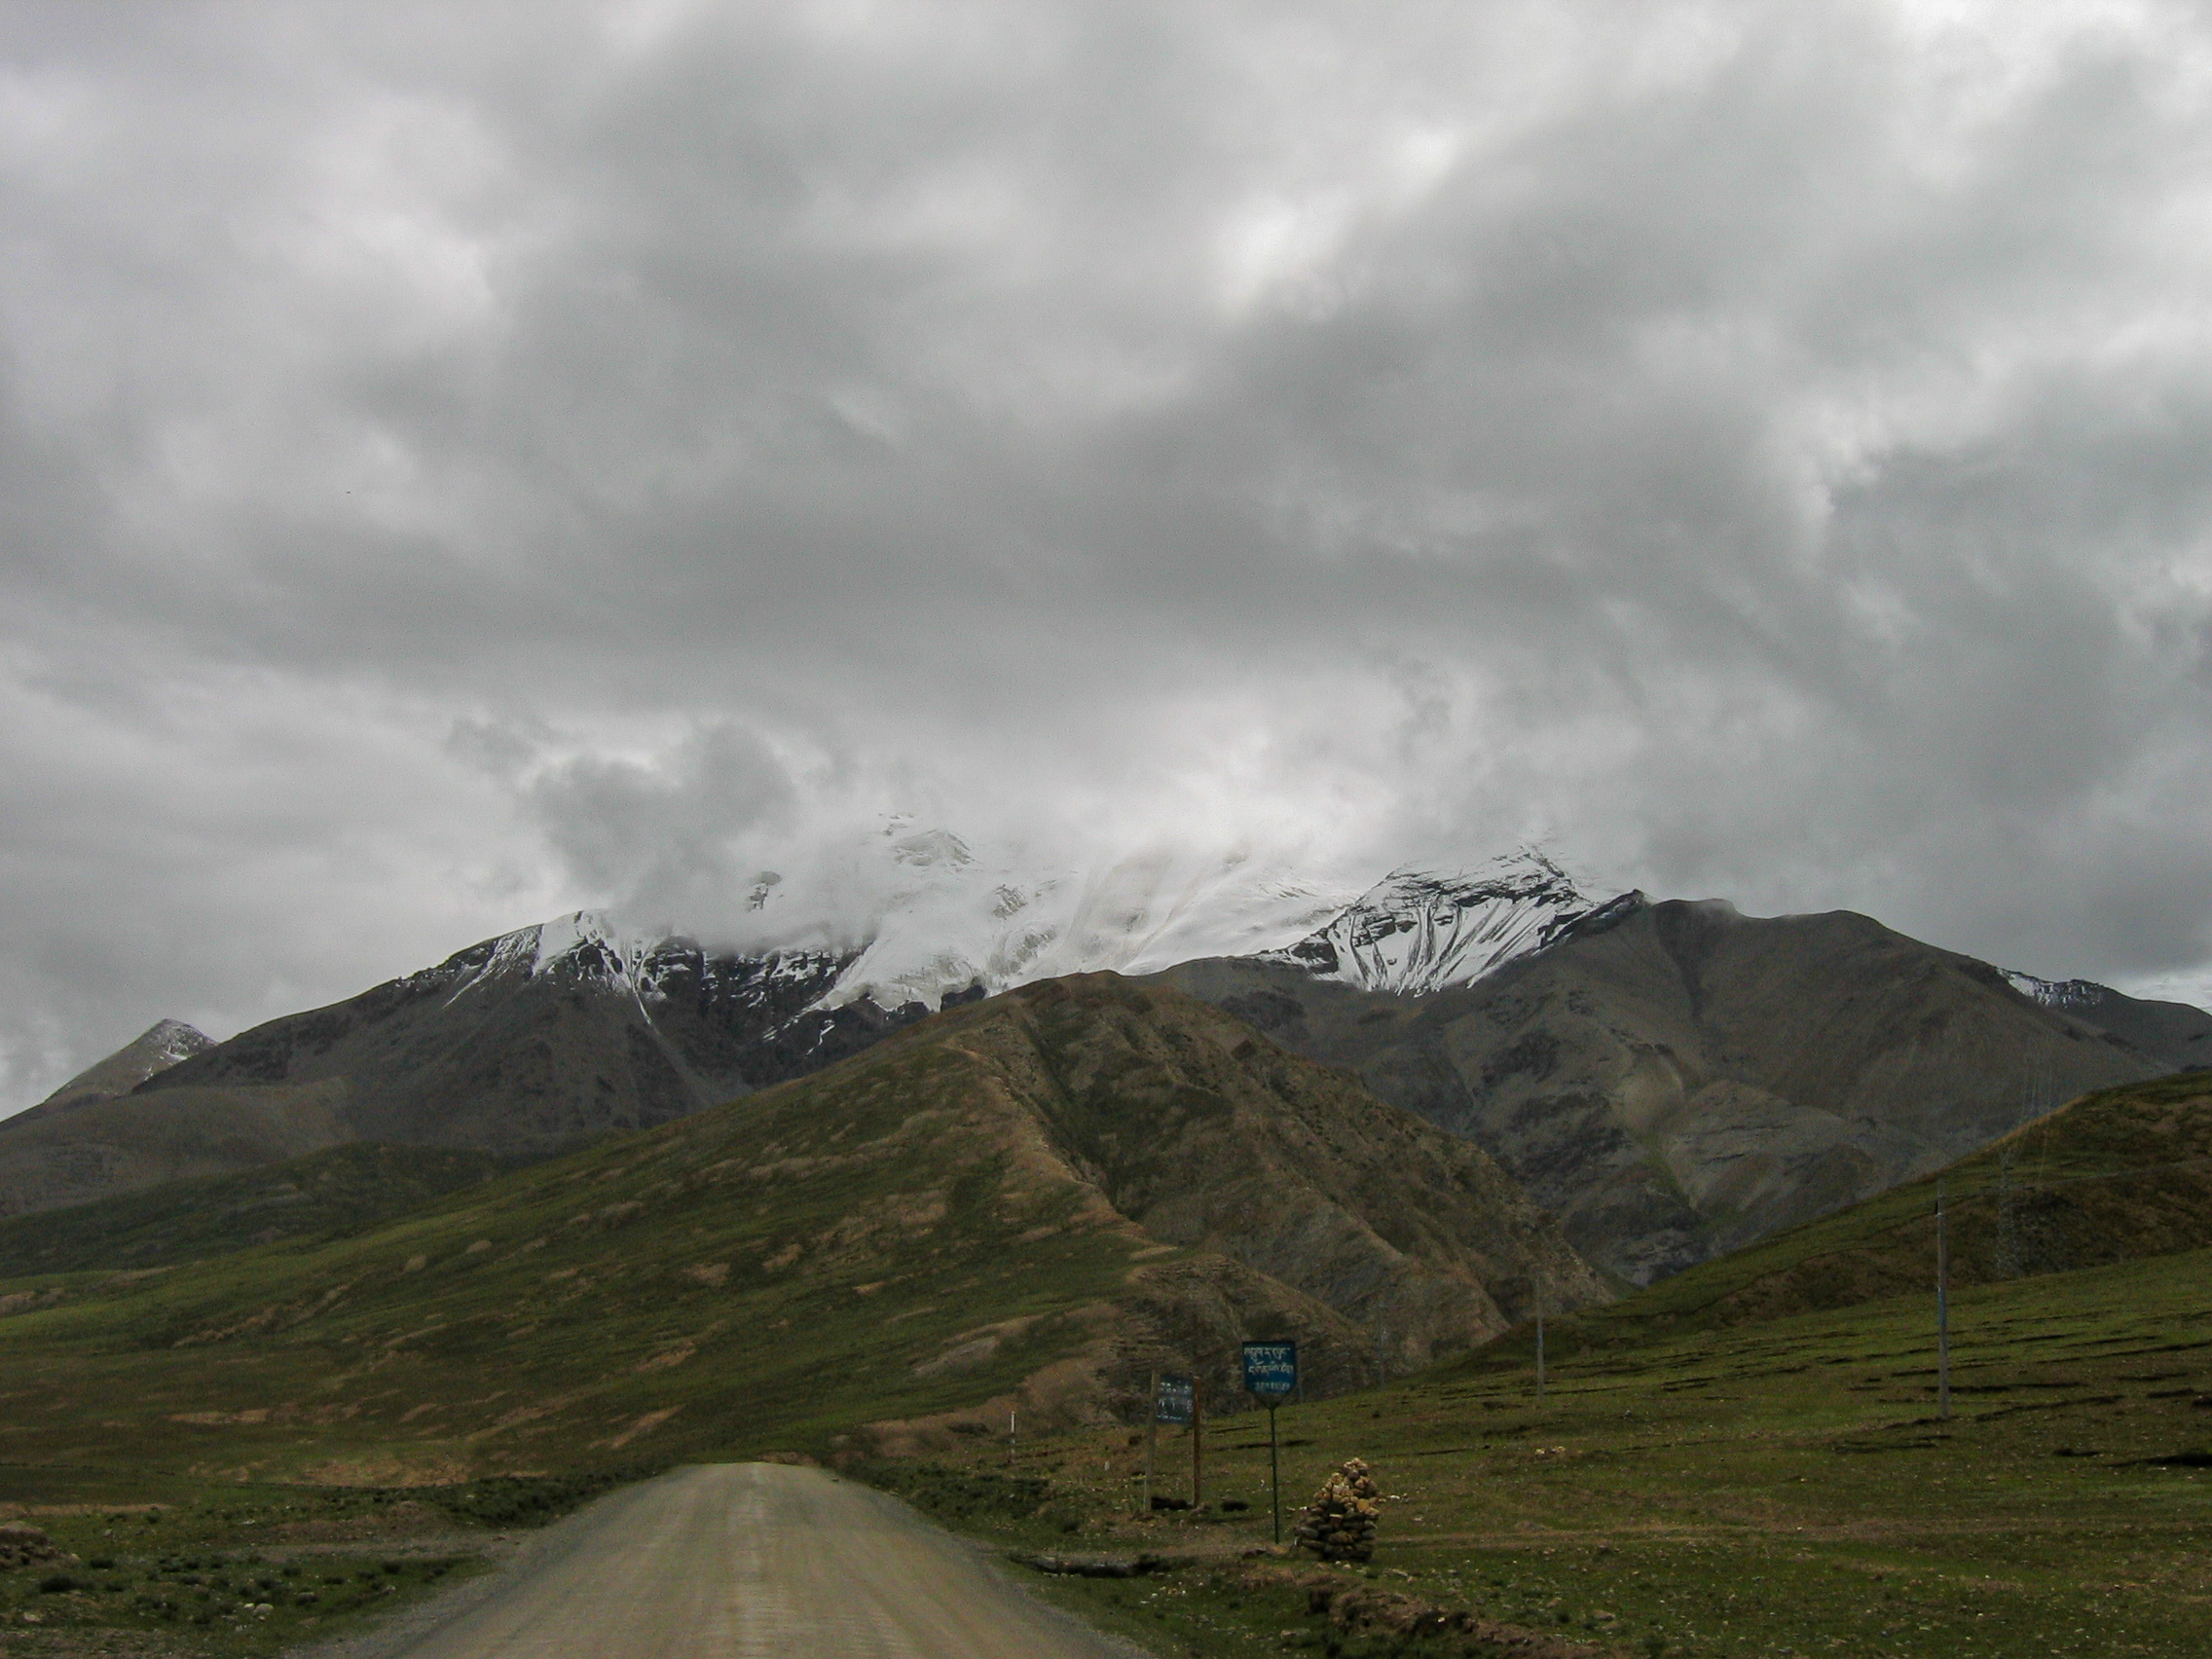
{"x":1271,"y":1375}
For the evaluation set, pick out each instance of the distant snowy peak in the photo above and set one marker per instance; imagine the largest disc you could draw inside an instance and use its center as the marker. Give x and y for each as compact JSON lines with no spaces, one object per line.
{"x":1425,"y":928}
{"x":166,"y":1042}
{"x":2063,"y":994}
{"x":161,"y":1046}
{"x":587,"y":948}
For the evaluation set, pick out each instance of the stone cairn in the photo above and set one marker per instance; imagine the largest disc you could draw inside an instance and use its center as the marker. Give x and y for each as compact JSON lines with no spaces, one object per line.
{"x":26,"y":1546}
{"x":1338,"y":1524}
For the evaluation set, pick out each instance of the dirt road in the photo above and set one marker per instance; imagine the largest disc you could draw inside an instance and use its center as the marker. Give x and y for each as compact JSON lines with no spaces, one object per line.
{"x":753,"y":1559}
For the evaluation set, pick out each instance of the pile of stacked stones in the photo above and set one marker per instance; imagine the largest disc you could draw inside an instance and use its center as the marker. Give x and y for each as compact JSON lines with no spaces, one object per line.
{"x":26,"y":1546}
{"x":1338,"y":1524}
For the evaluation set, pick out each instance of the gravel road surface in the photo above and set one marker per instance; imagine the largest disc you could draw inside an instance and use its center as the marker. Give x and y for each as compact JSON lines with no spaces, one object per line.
{"x":747,"y":1560}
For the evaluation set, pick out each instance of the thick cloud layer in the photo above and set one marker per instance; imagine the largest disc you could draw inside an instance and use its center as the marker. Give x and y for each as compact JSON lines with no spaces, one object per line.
{"x":461,"y":463}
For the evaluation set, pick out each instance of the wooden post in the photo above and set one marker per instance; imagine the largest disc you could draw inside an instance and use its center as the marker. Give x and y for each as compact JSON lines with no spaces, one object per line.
{"x":1198,"y":1444}
{"x":1274,"y":1472}
{"x":1150,"y":1438}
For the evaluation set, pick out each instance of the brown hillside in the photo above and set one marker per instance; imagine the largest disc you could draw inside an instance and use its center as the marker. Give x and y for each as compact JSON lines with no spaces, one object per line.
{"x":1025,"y":1204}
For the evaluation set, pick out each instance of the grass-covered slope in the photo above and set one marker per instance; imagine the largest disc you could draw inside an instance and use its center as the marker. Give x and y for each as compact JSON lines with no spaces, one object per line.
{"x":322,"y":1196}
{"x":1753,"y":1492}
{"x":1026,"y":1202}
{"x":2119,"y":1174}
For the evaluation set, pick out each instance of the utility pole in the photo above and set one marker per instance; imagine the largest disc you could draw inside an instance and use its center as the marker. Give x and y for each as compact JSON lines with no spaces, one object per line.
{"x":1150,"y":1438}
{"x":2007,"y":1221}
{"x":1539,"y":1334}
{"x":1013,"y":1439}
{"x":1197,"y":1443}
{"x":1942,"y":1311}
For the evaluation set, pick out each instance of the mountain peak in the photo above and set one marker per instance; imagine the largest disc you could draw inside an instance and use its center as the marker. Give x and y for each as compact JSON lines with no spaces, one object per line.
{"x":161,"y":1046}
{"x":1427,"y":927}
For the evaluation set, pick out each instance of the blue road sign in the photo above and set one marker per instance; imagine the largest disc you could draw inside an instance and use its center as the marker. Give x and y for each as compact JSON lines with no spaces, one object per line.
{"x":1174,"y":1402}
{"x":1271,"y":1369}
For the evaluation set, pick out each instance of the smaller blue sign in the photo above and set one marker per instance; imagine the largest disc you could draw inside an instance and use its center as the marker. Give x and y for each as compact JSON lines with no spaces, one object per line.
{"x":1173,"y":1404}
{"x":1271,"y":1369}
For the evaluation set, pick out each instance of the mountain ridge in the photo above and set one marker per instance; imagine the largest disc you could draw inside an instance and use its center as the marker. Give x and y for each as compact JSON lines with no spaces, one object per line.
{"x":1675,"y":1079}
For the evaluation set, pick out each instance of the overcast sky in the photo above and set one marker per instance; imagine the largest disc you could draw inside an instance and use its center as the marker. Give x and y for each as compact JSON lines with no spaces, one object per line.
{"x":463,"y":462}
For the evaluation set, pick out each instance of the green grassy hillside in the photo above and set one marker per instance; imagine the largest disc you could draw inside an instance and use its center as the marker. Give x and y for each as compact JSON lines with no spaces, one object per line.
{"x":1759,"y":1491}
{"x":2115,"y":1175}
{"x":322,"y":1196}
{"x":1021,"y":1204}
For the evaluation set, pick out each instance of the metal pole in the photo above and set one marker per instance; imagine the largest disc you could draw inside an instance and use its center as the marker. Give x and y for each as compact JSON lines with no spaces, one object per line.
{"x":1275,"y":1472}
{"x":1013,"y":1439}
{"x":1942,"y":1313}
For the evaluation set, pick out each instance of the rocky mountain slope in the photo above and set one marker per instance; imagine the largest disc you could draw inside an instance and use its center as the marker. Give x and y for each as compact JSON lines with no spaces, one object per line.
{"x":520,"y":1045}
{"x":1025,"y":1204}
{"x":2175,"y":1033}
{"x":1675,"y":1080}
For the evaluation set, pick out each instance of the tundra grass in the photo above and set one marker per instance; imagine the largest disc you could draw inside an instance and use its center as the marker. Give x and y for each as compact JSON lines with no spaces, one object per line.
{"x":1787,"y":1489}
{"x":325,"y":1195}
{"x":174,"y":1566}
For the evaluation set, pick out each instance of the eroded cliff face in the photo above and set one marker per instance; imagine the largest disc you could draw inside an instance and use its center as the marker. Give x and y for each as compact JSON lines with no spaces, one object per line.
{"x":1675,"y":1080}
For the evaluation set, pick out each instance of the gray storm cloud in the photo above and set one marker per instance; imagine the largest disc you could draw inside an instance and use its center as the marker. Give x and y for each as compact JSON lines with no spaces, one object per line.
{"x":459,"y":464}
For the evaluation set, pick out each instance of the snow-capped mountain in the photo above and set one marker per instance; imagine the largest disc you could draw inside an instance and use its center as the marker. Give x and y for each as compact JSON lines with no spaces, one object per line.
{"x":2069,"y":994}
{"x":591,"y":946}
{"x":1425,"y":929}
{"x":527,"y":1042}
